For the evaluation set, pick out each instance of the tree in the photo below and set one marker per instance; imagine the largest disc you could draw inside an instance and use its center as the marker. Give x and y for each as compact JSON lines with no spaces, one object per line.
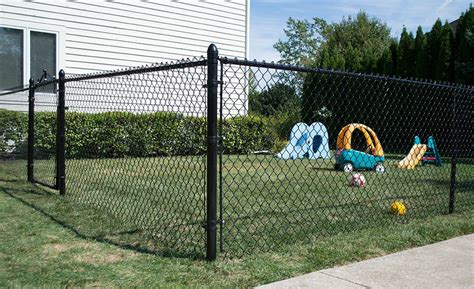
{"x":332,"y":59}
{"x":445,"y":68}
{"x":434,"y":45}
{"x":303,"y":40}
{"x":394,"y":54}
{"x":356,"y":43}
{"x":465,"y":64}
{"x":385,"y":63}
{"x":421,"y":54}
{"x":279,"y":98}
{"x":464,"y":48}
{"x":252,"y":85}
{"x":406,"y":54}
{"x":363,"y":44}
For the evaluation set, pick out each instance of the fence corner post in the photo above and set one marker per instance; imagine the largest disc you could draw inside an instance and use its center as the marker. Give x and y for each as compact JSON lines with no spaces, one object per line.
{"x":212,"y":139}
{"x":452,"y":188}
{"x":31,"y":130}
{"x":60,"y":136}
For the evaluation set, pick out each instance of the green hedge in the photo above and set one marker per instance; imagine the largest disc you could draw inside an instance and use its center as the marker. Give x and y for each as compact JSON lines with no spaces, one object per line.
{"x":13,"y":131}
{"x":45,"y":134}
{"x":121,"y":134}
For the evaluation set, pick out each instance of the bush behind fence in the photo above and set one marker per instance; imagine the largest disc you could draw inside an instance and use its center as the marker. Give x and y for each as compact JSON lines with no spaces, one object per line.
{"x":125,"y":134}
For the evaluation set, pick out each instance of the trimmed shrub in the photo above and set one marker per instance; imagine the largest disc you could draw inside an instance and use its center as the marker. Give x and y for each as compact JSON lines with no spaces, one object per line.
{"x":13,"y":131}
{"x":45,"y":134}
{"x":247,"y":134}
{"x":119,"y":134}
{"x":122,"y":134}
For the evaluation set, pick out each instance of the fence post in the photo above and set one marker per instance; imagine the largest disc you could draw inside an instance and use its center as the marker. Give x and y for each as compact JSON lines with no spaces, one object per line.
{"x":212,"y":84}
{"x":31,"y":129}
{"x":60,"y":136}
{"x":452,"y":189}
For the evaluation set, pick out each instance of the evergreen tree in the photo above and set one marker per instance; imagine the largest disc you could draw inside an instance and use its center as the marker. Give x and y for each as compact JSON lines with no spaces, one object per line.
{"x":394,"y":55}
{"x":433,"y":47}
{"x":334,"y":60}
{"x":464,"y":44}
{"x":363,"y":44}
{"x":444,"y":66}
{"x":406,"y":55}
{"x":421,"y":54}
{"x":385,"y":65}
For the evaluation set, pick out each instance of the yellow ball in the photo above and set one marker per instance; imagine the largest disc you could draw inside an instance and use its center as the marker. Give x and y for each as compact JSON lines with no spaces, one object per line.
{"x":398,"y":208}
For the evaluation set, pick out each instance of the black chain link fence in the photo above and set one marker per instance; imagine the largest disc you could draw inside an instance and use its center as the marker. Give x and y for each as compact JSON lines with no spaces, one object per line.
{"x":14,"y":117}
{"x":301,"y":152}
{"x":337,"y":152}
{"x":45,"y":133}
{"x":135,"y":147}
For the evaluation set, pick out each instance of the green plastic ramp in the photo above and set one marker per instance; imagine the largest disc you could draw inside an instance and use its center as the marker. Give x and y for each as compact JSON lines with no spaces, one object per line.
{"x":432,"y":154}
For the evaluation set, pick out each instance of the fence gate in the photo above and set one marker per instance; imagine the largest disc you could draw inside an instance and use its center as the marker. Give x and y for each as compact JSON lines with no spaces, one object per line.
{"x":43,"y":107}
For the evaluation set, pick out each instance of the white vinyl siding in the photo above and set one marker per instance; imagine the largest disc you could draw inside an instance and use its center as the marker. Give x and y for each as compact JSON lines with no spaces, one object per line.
{"x":101,"y":35}
{"x":105,"y":35}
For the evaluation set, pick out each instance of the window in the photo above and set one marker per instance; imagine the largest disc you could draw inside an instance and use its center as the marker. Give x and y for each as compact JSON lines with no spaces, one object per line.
{"x":20,"y":46}
{"x":11,"y":58}
{"x":42,"y":54}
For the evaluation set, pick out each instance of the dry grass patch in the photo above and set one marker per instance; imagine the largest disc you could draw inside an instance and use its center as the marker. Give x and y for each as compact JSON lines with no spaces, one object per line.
{"x":98,"y":258}
{"x":87,"y":252}
{"x":63,"y":247}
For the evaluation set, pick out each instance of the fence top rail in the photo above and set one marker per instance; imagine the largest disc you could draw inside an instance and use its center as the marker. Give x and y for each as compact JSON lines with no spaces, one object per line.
{"x":37,"y":85}
{"x":14,"y":91}
{"x":288,"y":67}
{"x":184,"y":63}
{"x":46,"y":82}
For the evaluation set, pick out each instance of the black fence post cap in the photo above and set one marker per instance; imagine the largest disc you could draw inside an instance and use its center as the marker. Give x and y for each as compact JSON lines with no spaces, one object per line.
{"x":212,"y":49}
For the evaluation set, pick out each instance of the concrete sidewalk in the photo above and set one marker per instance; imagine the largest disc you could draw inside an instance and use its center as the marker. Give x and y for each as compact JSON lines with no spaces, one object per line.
{"x":448,"y":264}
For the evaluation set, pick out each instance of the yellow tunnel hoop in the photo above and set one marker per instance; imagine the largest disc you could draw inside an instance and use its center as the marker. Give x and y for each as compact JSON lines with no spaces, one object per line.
{"x":345,"y":136}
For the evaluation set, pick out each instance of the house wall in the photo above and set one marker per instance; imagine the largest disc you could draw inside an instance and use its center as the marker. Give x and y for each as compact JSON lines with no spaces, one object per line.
{"x":103,"y":35}
{"x":95,"y":36}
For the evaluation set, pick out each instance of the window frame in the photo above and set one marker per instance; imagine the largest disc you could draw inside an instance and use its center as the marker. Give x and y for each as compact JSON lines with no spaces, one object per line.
{"x":36,"y":27}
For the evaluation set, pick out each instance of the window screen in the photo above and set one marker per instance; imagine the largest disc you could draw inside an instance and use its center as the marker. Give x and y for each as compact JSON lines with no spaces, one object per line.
{"x":43,"y":54}
{"x":11,"y":58}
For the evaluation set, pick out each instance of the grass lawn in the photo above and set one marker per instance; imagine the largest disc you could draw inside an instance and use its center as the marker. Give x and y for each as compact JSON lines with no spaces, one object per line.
{"x":284,"y":218}
{"x":45,"y":240}
{"x":158,"y":204}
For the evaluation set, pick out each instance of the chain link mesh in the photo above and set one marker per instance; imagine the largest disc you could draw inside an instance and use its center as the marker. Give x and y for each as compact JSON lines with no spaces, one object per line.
{"x":135,"y":147}
{"x":45,"y":128}
{"x":303,"y":152}
{"x":464,"y":149}
{"x":305,"y":176}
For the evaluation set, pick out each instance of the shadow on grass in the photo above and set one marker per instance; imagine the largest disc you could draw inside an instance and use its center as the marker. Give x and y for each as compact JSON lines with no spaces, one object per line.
{"x":52,"y":205}
{"x":11,"y":180}
{"x":460,"y":185}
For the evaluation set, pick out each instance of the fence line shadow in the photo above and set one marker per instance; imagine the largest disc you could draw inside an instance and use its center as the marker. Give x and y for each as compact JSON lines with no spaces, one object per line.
{"x":39,"y":191}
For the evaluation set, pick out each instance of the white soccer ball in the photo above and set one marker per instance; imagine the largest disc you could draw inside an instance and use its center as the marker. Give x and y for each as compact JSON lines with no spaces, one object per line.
{"x":357,"y":180}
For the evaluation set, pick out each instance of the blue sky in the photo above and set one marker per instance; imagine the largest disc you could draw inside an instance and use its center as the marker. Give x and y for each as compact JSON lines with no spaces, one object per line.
{"x":268,"y":17}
